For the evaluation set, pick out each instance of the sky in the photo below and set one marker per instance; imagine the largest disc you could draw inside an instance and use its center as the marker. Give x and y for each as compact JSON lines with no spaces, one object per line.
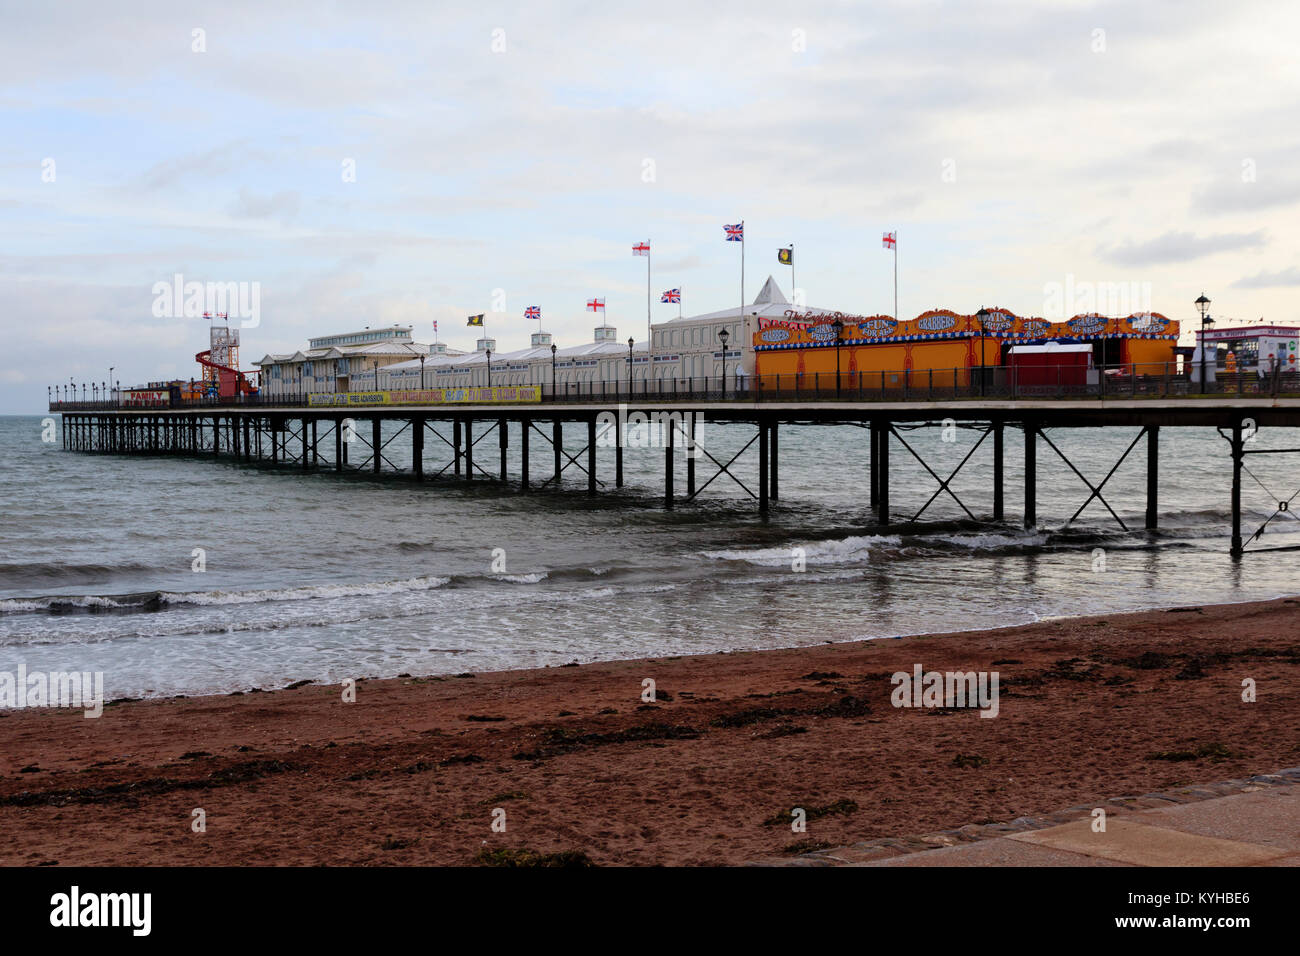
{"x":371,"y":164}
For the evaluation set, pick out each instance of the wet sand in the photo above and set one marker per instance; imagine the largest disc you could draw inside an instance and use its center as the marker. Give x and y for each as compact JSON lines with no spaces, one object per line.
{"x":413,"y":770}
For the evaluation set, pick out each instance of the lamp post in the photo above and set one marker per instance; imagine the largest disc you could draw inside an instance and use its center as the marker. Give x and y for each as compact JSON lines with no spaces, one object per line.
{"x":982,"y":315}
{"x":422,"y":358}
{"x":724,"y":335}
{"x":838,"y":326}
{"x":553,"y":350}
{"x":630,"y":342}
{"x":1203,"y":304}
{"x":110,"y":379}
{"x":489,"y":367}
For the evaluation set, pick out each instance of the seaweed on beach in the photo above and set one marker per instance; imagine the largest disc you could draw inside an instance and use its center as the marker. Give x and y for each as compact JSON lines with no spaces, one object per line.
{"x":152,"y":786}
{"x":841,"y":807}
{"x":568,"y":859}
{"x":557,"y":741}
{"x":1215,"y":752}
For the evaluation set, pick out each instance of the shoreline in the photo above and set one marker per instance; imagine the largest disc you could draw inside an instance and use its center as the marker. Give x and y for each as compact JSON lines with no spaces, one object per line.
{"x":412,"y":771}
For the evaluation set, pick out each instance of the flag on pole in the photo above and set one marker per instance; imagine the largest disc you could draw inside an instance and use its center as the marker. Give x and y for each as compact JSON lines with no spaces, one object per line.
{"x":533,"y":312}
{"x":672,"y":295}
{"x":475,"y":319}
{"x":595,"y":305}
{"x":890,"y":240}
{"x":435,"y":325}
{"x":735,"y":233}
{"x":785,"y":256}
{"x":641,"y":249}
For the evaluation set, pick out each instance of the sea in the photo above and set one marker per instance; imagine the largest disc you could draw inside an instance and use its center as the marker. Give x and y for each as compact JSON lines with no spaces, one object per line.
{"x":184,"y":576}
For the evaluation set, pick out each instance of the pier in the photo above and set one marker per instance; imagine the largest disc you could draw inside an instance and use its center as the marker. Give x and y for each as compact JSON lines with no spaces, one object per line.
{"x":456,"y":442}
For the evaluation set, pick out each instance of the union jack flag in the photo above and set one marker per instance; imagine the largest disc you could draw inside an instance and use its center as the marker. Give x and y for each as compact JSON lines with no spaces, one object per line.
{"x":889,"y":240}
{"x":735,"y":233}
{"x":672,"y":295}
{"x":532,"y":312}
{"x":641,"y":249}
{"x":595,"y":305}
{"x":435,"y":325}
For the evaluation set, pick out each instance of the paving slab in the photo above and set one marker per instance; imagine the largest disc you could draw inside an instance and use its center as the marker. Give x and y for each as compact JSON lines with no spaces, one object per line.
{"x":1266,"y":817}
{"x":1128,"y":840}
{"x":1000,"y":851}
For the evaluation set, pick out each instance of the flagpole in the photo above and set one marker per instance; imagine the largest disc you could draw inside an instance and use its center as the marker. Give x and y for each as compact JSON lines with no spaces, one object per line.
{"x":649,"y":337}
{"x":680,"y":293}
{"x":793,"y":285}
{"x":739,"y":328}
{"x":895,"y":276}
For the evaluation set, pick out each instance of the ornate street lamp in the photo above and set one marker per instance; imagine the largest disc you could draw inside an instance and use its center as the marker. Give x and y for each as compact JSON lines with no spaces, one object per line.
{"x":630,"y":342}
{"x":1203,"y":305}
{"x":724,"y":335}
{"x":553,"y":349}
{"x":422,"y":358}
{"x":489,"y":367}
{"x":982,"y":315}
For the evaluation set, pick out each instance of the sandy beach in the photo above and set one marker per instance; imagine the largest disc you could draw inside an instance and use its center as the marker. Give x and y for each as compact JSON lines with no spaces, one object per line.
{"x":413,"y":770}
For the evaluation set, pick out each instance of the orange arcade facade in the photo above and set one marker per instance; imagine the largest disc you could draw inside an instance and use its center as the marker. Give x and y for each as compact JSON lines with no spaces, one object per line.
{"x":949,"y":345}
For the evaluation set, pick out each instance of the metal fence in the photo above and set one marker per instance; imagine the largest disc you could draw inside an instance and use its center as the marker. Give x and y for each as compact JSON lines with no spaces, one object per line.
{"x":1130,"y":380}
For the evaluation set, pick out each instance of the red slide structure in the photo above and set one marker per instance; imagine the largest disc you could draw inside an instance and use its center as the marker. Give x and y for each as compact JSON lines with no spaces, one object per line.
{"x":230,"y":381}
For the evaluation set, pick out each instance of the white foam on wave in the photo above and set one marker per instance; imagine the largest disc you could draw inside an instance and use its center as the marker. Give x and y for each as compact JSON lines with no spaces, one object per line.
{"x":831,"y":551}
{"x":535,"y":577}
{"x":44,"y":604}
{"x":206,"y":598}
{"x":990,"y":540}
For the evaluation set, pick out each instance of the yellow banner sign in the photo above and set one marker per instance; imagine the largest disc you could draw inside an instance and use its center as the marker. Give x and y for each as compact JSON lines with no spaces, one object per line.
{"x":471,"y":395}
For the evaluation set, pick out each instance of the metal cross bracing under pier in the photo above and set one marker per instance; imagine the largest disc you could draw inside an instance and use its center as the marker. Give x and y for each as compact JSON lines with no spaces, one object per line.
{"x":450,"y":444}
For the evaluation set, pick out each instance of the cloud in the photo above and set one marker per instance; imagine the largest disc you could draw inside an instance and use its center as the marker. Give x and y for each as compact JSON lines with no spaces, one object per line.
{"x":1175,"y":247}
{"x":1240,"y":197}
{"x":1278,"y":279}
{"x":281,"y":205}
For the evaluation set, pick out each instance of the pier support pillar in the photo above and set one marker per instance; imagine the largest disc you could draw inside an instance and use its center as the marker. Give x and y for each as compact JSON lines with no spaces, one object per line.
{"x":1153,"y":476}
{"x":338,"y":444}
{"x":763,"y":463}
{"x":274,"y":434}
{"x":503,"y":441}
{"x":668,"y":468}
{"x":307,"y":446}
{"x":1031,"y":474}
{"x":591,"y":456}
{"x":216,"y":436}
{"x":557,"y":442}
{"x":1238,"y":453}
{"x":873,"y":459}
{"x":690,"y":455}
{"x":882,"y":472}
{"x":376,"y":431}
{"x":455,"y":446}
{"x":998,"y":472}
{"x":620,"y":435}
{"x":315,"y":450}
{"x":773,"y":479}
{"x":417,"y":447}
{"x":469,"y":450}
{"x":525,"y":425}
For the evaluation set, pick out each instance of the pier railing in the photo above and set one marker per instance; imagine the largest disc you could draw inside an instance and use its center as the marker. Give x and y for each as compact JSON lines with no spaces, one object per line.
{"x":1004,"y":382}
